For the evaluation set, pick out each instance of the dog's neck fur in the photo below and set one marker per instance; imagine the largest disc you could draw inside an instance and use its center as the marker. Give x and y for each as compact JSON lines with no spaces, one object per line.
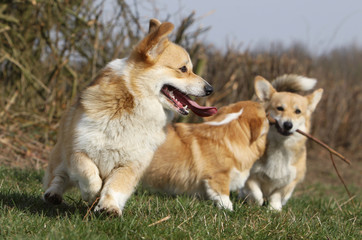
{"x":279,"y":154}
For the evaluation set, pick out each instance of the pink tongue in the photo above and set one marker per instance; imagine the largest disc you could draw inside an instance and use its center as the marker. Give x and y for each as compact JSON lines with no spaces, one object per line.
{"x":196,"y":108}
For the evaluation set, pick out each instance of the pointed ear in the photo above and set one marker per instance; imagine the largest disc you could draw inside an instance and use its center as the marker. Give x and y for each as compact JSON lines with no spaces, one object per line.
{"x":156,"y":41}
{"x":314,"y":98}
{"x":263,"y":89}
{"x":154,"y":23}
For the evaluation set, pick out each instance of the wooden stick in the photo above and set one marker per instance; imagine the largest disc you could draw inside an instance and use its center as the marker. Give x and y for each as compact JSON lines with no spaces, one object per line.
{"x":340,"y":177}
{"x":160,"y":221}
{"x":89,"y":209}
{"x":331,"y":150}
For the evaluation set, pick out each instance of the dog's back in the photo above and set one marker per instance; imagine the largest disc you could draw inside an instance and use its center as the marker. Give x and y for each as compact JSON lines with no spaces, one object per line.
{"x":211,"y":158}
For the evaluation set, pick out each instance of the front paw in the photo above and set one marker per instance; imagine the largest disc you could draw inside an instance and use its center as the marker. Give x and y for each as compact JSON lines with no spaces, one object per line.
{"x":89,"y":197}
{"x":112,"y":211}
{"x":53,"y":198}
{"x":275,"y":206}
{"x":108,"y":204}
{"x":90,"y":191}
{"x":224,"y":203}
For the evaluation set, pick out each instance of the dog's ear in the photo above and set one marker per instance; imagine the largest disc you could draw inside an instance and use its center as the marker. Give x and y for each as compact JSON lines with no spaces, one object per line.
{"x":154,"y":24}
{"x":263,"y":89}
{"x":314,"y":98}
{"x":156,"y":41}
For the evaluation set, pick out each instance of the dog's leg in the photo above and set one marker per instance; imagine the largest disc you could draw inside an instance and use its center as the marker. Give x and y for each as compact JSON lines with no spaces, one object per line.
{"x":86,"y":174}
{"x":288,"y":191}
{"x":217,"y":190}
{"x":254,"y":193}
{"x":55,"y":182}
{"x":118,"y":187}
{"x":275,"y":201}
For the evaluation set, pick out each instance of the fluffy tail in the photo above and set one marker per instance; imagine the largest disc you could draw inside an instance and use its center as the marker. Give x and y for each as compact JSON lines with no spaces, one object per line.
{"x":293,"y":83}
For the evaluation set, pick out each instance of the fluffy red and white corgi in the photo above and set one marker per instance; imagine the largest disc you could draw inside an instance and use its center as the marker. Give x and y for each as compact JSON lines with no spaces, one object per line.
{"x":274,"y":176}
{"x":210,"y":159}
{"x":108,"y":137}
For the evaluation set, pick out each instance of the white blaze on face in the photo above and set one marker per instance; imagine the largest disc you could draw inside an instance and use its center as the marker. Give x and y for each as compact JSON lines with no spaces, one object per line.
{"x":229,"y":117}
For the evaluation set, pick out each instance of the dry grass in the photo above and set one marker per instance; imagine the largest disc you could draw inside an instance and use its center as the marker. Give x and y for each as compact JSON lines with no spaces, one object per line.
{"x":50,"y":50}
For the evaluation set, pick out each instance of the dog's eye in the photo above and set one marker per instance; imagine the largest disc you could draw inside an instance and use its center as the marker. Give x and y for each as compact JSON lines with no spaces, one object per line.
{"x":297,"y":111}
{"x":280,"y":108}
{"x":183,"y":69}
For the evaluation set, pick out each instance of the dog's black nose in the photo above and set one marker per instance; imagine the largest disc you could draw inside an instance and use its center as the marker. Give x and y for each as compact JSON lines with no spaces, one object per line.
{"x":287,"y":125}
{"x":208,"y":89}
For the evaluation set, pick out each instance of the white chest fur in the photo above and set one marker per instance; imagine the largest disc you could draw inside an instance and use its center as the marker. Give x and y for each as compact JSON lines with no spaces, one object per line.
{"x":277,"y":166}
{"x":131,"y":137}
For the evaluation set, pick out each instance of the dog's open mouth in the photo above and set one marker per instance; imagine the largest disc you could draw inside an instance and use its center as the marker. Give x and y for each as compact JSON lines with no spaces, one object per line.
{"x":183,"y":103}
{"x":282,"y":131}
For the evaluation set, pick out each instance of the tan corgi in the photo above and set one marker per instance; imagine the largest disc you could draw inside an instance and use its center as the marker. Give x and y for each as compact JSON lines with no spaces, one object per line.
{"x":283,"y":165}
{"x":210,"y":159}
{"x":107,"y":139}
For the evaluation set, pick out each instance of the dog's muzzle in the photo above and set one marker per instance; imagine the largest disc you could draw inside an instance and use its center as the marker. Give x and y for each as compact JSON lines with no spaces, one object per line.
{"x":285,"y":130}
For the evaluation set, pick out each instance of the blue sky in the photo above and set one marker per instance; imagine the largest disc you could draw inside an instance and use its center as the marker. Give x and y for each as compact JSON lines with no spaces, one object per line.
{"x":319,"y":24}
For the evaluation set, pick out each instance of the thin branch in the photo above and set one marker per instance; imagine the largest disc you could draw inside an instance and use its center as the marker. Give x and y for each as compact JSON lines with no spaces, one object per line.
{"x":340,"y":177}
{"x":9,"y":104}
{"x":89,"y":209}
{"x":331,"y":150}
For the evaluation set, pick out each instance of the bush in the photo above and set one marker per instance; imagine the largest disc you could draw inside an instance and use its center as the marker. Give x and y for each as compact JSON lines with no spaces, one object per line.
{"x":50,"y":50}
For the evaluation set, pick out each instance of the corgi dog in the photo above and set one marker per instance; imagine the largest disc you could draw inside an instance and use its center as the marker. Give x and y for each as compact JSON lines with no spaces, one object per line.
{"x":212,"y":158}
{"x":274,"y":176}
{"x":108,"y":137}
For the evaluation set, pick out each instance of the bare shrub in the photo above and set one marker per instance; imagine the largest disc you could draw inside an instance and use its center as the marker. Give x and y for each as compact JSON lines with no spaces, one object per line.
{"x":50,"y":50}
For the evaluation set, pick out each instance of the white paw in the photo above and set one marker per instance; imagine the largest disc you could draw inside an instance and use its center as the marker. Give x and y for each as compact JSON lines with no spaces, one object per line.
{"x":110,"y":210}
{"x":91,"y":191}
{"x":109,"y":206}
{"x":224,"y":203}
{"x":89,"y":197}
{"x":275,"y":206}
{"x":112,"y":202}
{"x":251,"y":200}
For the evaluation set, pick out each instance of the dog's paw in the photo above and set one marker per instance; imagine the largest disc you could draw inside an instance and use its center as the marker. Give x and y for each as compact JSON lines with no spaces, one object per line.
{"x":91,"y":190}
{"x":224,"y":203}
{"x":275,"y":206}
{"x":110,"y":211}
{"x":89,"y":197}
{"x":53,"y":198}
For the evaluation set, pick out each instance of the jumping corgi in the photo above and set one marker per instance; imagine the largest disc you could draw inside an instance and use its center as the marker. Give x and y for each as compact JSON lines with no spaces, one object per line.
{"x":210,"y":159}
{"x":274,"y":176}
{"x":108,"y":137}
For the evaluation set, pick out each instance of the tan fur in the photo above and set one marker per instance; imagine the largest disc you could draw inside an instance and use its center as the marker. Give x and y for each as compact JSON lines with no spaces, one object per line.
{"x":207,"y":159}
{"x":275,"y":175}
{"x":108,"y":137}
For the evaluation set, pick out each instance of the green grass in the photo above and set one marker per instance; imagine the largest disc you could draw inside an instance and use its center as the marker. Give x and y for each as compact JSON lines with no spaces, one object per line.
{"x":23,"y":215}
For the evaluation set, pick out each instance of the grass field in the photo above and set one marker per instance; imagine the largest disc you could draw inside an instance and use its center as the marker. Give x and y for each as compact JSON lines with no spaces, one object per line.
{"x":51,"y":50}
{"x":312,"y":214}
